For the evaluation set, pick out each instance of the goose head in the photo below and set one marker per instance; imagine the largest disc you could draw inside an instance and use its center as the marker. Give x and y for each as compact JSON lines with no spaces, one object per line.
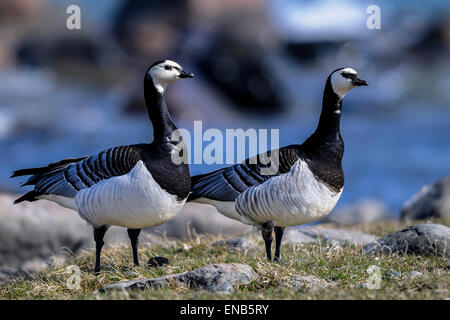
{"x":165,"y":72}
{"x":345,"y":79}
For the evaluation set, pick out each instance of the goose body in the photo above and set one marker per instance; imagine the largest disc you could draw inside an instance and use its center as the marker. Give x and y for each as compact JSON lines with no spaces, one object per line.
{"x":135,"y":186}
{"x":266,"y":202}
{"x":307,"y":185}
{"x":132,"y":200}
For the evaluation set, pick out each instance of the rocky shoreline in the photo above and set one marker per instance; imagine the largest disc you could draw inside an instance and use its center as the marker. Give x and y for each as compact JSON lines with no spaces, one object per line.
{"x":34,"y":235}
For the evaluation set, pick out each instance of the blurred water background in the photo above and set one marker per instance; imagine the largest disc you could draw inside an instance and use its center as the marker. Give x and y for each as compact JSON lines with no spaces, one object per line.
{"x":258,"y":64}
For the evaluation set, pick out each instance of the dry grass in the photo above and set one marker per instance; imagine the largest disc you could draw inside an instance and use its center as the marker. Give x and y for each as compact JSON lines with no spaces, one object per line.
{"x":344,"y":265}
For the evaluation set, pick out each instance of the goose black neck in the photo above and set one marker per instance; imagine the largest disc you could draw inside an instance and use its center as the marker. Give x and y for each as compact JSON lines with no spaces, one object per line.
{"x":330,"y":116}
{"x":163,"y":125}
{"x":327,"y":140}
{"x":324,"y":149}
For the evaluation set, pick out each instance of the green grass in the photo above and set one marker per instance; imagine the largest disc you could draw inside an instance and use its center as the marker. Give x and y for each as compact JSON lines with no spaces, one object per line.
{"x":344,"y":265}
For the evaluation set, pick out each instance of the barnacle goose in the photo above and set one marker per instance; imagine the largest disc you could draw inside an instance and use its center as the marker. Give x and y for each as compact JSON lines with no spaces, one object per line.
{"x":135,"y":186}
{"x":307,"y":185}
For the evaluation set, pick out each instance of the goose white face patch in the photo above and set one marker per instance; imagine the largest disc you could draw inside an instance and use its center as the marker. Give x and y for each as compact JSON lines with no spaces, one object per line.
{"x":341,"y":85}
{"x":164,"y":74}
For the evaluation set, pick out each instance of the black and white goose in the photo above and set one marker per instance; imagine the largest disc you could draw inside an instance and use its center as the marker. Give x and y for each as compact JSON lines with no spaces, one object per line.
{"x":307,"y":185}
{"x":135,"y":186}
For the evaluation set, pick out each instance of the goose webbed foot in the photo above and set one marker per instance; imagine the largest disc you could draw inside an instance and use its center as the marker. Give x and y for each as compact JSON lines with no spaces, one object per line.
{"x":99,"y":233}
{"x":133,"y":234}
{"x":266,"y":231}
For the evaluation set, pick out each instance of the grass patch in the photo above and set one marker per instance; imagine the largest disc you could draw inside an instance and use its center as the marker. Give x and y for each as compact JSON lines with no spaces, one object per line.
{"x":344,"y":265}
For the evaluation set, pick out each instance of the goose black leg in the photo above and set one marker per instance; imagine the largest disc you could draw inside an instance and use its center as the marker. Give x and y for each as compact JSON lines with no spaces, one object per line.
{"x":278,"y":236}
{"x":134,"y":235}
{"x":266,"y":230}
{"x":99,"y":233}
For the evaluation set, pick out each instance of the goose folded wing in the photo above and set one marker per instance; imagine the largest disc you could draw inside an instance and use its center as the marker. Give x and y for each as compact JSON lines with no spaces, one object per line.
{"x":228,"y":183}
{"x":67,"y":177}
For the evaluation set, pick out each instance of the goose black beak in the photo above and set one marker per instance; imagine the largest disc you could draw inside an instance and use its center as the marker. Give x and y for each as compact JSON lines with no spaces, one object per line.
{"x":360,"y":82}
{"x":185,"y":74}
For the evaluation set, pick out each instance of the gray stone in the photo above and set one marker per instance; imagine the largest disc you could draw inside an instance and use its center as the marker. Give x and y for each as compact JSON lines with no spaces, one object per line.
{"x":426,"y":239}
{"x":240,"y":243}
{"x":394,"y":273}
{"x":415,"y":274}
{"x":38,"y":230}
{"x":365,"y":210}
{"x":308,"y":282}
{"x":432,"y":200}
{"x":334,"y":236}
{"x":219,"y":277}
{"x":7,"y":273}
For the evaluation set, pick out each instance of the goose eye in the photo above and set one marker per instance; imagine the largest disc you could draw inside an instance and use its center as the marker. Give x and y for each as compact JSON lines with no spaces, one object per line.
{"x":168,"y":67}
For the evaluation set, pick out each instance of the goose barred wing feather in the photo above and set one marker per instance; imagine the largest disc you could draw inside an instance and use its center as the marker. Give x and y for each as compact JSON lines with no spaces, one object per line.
{"x":67,"y":177}
{"x":225,"y":184}
{"x":228,"y":183}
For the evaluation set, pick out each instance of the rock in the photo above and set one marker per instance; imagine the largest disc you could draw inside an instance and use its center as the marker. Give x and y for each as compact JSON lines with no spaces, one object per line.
{"x":308,"y":282}
{"x":219,"y":277}
{"x":12,"y":12}
{"x":427,"y":239}
{"x":156,"y":262}
{"x":38,"y":230}
{"x":432,"y":200}
{"x":334,"y":236}
{"x":415,"y":274}
{"x":136,"y":19}
{"x":8,"y":273}
{"x":394,"y":273}
{"x":237,"y":244}
{"x":365,"y":210}
{"x":247,"y":67}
